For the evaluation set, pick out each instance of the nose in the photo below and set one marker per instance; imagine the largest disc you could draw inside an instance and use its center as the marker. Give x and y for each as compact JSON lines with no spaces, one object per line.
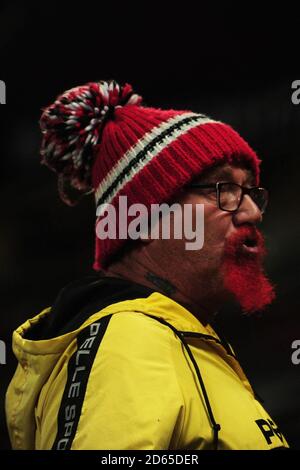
{"x":248,"y":212}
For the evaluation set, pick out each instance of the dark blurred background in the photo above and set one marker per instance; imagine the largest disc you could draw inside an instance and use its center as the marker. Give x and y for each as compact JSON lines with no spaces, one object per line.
{"x":234,"y":63}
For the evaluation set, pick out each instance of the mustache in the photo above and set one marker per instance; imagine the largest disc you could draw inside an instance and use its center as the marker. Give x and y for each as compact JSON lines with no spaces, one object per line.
{"x":243,"y":270}
{"x":246,"y":235}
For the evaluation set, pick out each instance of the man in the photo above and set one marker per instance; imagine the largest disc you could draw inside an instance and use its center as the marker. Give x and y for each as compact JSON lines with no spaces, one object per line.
{"x":127,"y":359}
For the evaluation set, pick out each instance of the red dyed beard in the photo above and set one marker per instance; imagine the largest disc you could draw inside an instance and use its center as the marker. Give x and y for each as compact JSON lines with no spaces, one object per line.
{"x":243,"y":274}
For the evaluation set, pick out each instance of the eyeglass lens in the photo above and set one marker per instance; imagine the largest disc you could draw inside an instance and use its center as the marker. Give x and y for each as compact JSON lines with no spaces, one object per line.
{"x":230,"y":196}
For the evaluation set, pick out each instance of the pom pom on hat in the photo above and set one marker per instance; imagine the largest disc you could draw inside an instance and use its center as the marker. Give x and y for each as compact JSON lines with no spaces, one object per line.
{"x":72,"y":128}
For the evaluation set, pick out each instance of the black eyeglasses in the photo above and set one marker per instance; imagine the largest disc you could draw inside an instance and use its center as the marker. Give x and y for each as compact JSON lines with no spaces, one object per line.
{"x":230,"y":195}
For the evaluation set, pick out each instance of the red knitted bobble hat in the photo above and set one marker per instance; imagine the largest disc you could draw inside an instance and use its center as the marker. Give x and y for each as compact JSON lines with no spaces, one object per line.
{"x":99,"y":138}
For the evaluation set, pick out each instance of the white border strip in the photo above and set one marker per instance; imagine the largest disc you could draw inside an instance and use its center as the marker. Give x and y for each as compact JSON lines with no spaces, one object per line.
{"x":140,"y":144}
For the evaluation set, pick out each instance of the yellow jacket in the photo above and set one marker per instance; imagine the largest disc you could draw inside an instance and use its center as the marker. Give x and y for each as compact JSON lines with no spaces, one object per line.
{"x":137,"y":374}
